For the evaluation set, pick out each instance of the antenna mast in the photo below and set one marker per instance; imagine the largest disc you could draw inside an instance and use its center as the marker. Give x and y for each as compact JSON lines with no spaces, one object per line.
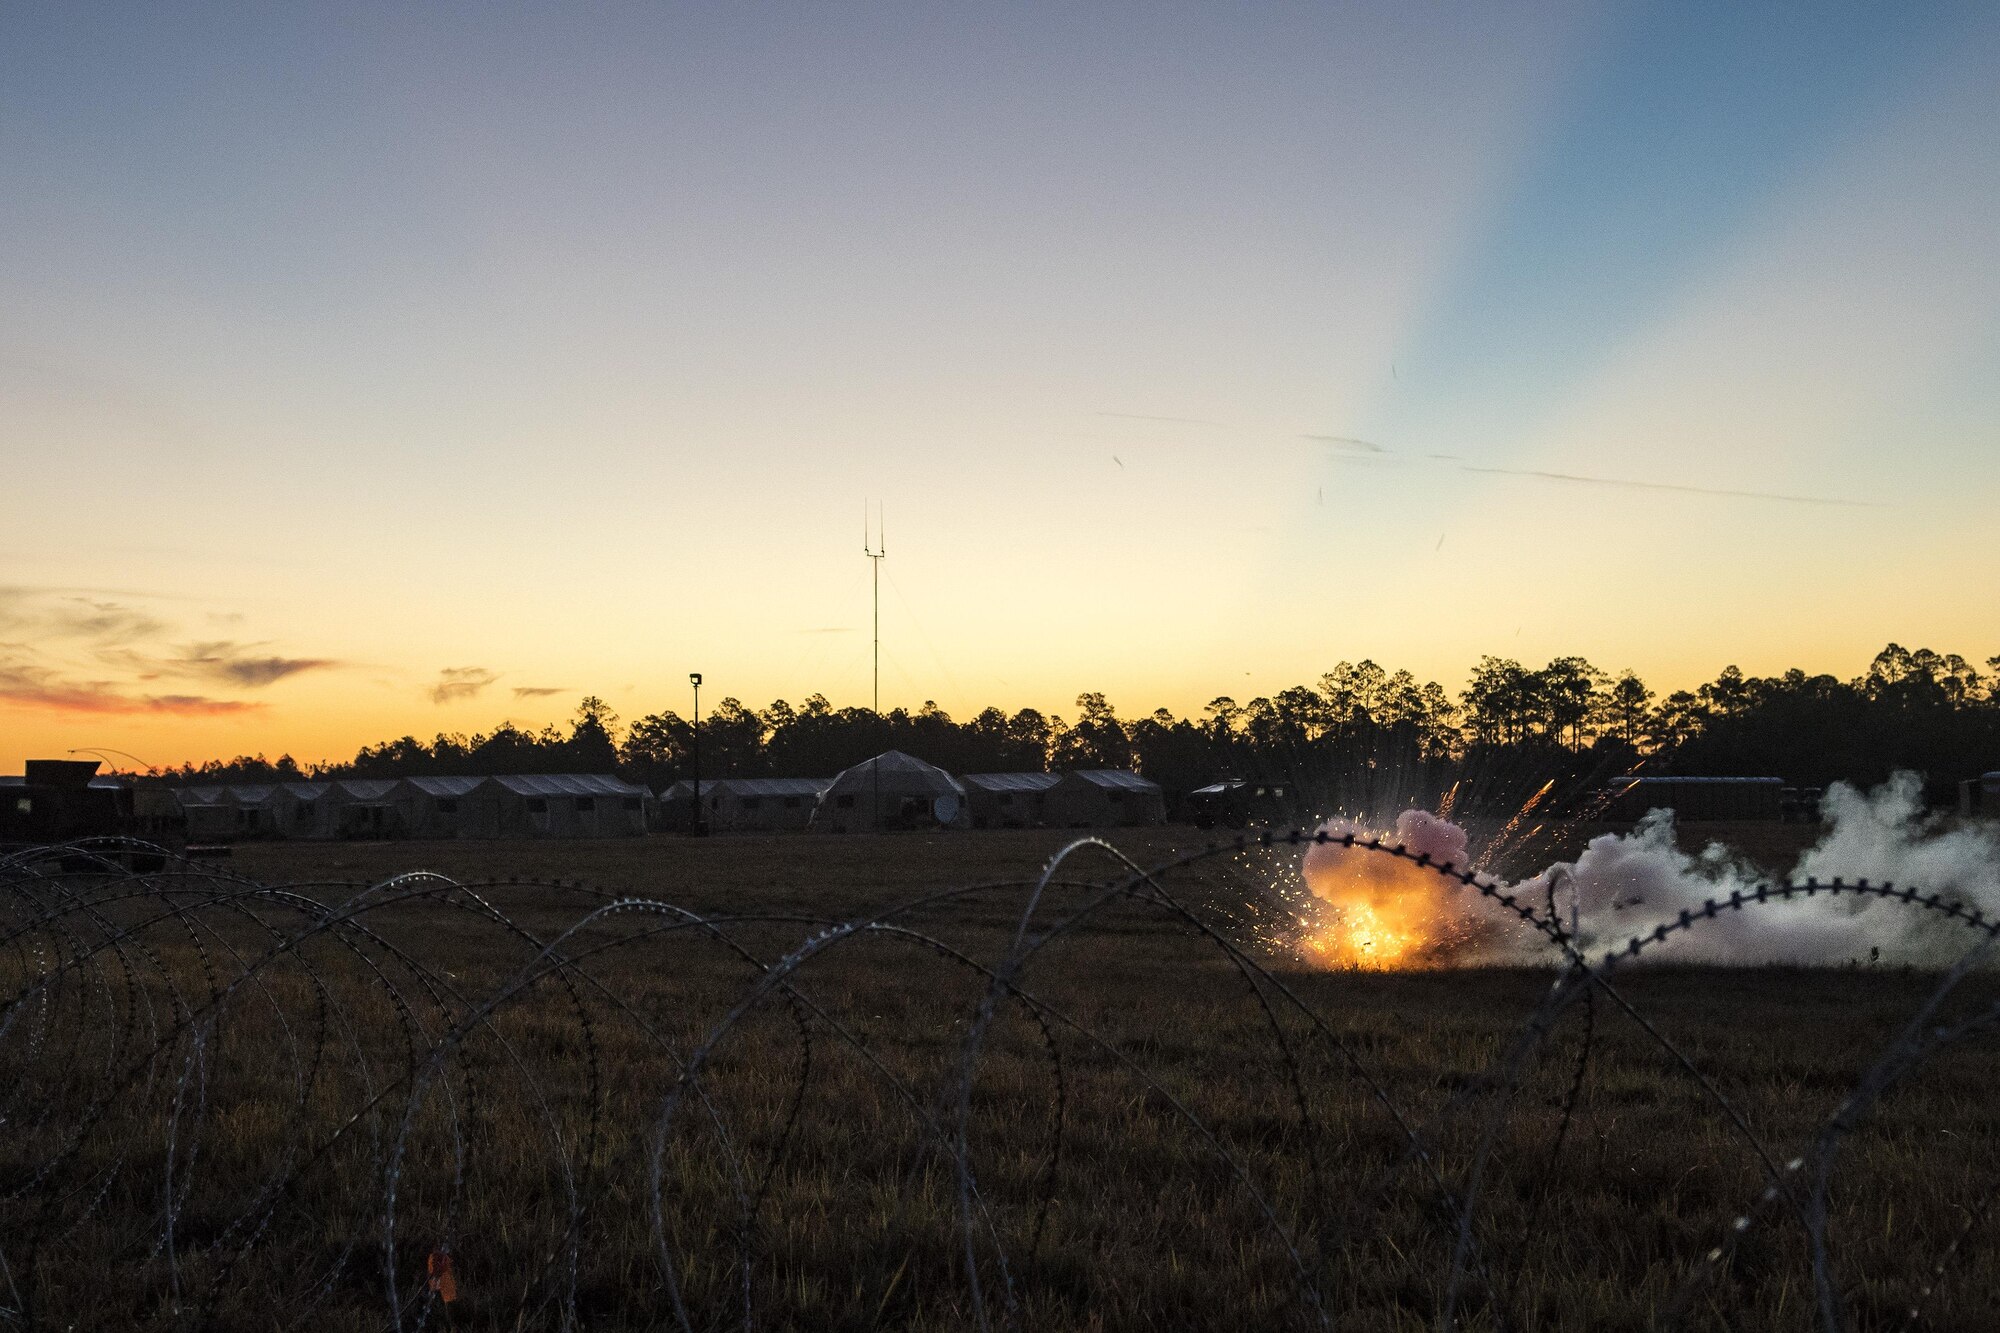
{"x":875,"y":547}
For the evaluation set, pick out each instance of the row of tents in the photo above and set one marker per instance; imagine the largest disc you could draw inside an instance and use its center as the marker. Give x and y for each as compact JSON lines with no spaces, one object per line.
{"x":891,"y":791}
{"x":899,"y":791}
{"x":61,"y":799}
{"x":562,"y":805}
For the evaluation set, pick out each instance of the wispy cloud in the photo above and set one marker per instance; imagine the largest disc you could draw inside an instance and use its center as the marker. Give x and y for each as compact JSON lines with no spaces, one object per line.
{"x":99,"y":622}
{"x":85,"y":650}
{"x":1360,"y":450}
{"x":222,"y":661}
{"x":196,"y":704}
{"x":1346,"y":442}
{"x":29,"y":687}
{"x":1368,"y":452}
{"x":1630,"y":485}
{"x":255,"y":671}
{"x":537,"y":691}
{"x":1145,"y":416}
{"x":455,"y":683}
{"x":239,"y":664}
{"x":85,"y":614}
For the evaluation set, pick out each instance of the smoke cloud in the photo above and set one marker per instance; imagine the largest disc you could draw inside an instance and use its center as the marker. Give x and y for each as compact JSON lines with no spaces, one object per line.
{"x":1626,"y":884}
{"x":457,"y":683}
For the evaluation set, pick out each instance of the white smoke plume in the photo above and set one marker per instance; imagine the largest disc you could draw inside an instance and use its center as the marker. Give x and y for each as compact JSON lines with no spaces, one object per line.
{"x":1625,"y":884}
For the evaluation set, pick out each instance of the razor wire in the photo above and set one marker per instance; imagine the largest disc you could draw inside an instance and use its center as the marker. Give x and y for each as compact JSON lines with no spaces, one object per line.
{"x":237,"y":1104}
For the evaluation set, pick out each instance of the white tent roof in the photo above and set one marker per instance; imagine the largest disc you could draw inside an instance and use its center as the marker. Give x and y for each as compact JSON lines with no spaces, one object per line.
{"x":713,"y":787}
{"x":447,"y":787}
{"x":1012,"y":781}
{"x":569,"y":784}
{"x":1118,"y":779}
{"x":898,"y":774}
{"x":771,"y":786}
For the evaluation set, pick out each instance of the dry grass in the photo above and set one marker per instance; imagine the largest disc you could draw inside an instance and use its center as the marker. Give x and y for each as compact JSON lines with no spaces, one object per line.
{"x":1174,"y":1144}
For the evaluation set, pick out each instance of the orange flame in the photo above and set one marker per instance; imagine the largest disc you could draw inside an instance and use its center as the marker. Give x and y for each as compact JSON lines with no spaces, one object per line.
{"x":1376,"y":912}
{"x":1367,"y":938}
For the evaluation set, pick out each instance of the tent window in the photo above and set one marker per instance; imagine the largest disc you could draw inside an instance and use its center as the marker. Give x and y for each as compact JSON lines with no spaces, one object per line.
{"x":752,"y":802}
{"x":1118,"y":797}
{"x":1006,"y":798}
{"x":302,"y":813}
{"x":791,"y":803}
{"x":843,"y":802}
{"x":585,"y":803}
{"x":632,"y":803}
{"x":447,"y":806}
{"x":537,"y":806}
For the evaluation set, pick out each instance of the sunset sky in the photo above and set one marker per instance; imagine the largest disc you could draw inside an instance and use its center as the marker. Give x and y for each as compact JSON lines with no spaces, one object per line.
{"x":371,"y":369}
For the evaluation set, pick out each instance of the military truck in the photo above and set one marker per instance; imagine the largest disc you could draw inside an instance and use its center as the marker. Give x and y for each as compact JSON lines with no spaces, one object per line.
{"x":63,"y":800}
{"x":1236,"y":803}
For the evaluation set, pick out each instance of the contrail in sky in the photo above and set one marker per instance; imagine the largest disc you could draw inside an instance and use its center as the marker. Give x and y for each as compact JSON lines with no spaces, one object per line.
{"x":1671,"y":486}
{"x":1369,"y":447}
{"x":1141,"y":416}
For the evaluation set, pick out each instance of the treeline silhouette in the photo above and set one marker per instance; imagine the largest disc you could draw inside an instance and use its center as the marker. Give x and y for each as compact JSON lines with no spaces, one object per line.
{"x":1933,"y":713}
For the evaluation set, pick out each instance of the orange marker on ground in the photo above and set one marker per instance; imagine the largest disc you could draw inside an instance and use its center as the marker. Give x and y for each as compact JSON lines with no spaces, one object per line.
{"x":437,"y":1269}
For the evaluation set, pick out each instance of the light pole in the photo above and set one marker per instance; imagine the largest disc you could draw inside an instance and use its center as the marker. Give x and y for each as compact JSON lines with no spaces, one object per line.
{"x":699,"y":824}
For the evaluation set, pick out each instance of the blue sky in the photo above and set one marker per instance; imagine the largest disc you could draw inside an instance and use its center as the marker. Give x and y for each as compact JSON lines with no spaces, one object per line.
{"x":563,"y":346}
{"x":1687,"y":120}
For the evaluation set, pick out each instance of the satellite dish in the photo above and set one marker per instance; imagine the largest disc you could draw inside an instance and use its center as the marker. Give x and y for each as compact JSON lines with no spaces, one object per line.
{"x":945,"y":808}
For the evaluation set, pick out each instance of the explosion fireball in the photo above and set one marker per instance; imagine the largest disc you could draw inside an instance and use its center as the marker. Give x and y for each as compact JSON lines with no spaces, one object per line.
{"x":1372,"y":911}
{"x":1380,"y":913}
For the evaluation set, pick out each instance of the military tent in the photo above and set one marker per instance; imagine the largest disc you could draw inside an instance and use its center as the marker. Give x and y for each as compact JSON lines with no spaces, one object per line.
{"x":740,"y":805}
{"x":891,"y":791}
{"x":449,"y":807}
{"x":1695,"y":799}
{"x":206,"y":813}
{"x":1104,"y":798}
{"x":302,"y":810}
{"x":1007,"y":800}
{"x":674,"y":811}
{"x":566,"y":805}
{"x":260,"y":808}
{"x":365,"y":809}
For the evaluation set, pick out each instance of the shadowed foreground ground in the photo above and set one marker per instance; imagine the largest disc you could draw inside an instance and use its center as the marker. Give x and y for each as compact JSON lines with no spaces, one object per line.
{"x":1155,"y":1136}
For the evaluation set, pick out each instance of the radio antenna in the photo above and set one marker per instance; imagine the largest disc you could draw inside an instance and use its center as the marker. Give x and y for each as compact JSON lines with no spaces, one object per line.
{"x":876,"y":548}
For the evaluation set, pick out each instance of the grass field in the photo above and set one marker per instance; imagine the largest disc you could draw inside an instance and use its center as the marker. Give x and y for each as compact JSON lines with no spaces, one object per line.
{"x":1156,"y":1133}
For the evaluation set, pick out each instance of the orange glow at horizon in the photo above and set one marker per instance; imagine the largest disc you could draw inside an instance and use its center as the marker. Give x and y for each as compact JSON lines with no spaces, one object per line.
{"x":403,"y":395}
